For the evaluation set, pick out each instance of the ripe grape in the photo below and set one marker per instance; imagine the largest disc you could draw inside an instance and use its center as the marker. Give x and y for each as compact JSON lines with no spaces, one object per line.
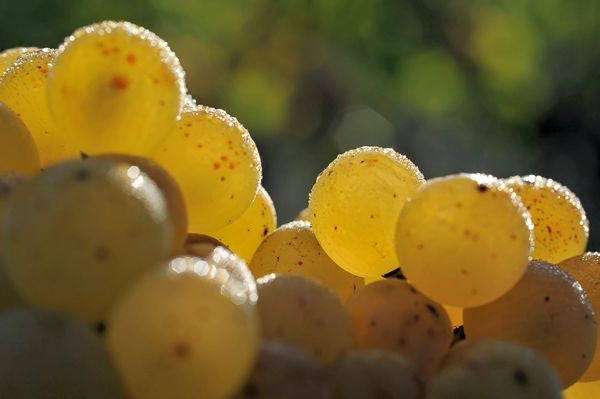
{"x":49,"y":355}
{"x":374,"y":374}
{"x":354,"y":205}
{"x":559,"y":221}
{"x":80,"y":232}
{"x":216,"y":163}
{"x":390,"y":314}
{"x":304,"y":312}
{"x":18,"y":152}
{"x":188,"y":330}
{"x":464,"y":240}
{"x":495,"y":370}
{"x":283,"y":371}
{"x":244,"y":234}
{"x":115,"y":87}
{"x":293,"y":248}
{"x":586,"y":270}
{"x":9,"y":56}
{"x":23,"y":90}
{"x":548,"y":311}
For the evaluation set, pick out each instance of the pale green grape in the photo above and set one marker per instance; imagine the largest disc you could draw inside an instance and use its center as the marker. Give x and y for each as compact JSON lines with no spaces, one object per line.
{"x":549,"y":312}
{"x":375,"y":374}
{"x":115,"y":87}
{"x":293,"y":248}
{"x":80,"y":232}
{"x":392,"y":315}
{"x":47,"y":355}
{"x":305,"y":313}
{"x":188,"y":330}
{"x":559,"y":221}
{"x":23,"y":90}
{"x":354,"y":205}
{"x":9,"y":56}
{"x":216,"y":163}
{"x":464,"y":240}
{"x":18,"y":152}
{"x":244,"y":234}
{"x":494,"y":369}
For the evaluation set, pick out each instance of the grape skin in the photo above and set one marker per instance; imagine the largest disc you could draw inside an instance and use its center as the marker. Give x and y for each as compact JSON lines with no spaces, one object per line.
{"x":18,"y":152}
{"x":9,"y":56}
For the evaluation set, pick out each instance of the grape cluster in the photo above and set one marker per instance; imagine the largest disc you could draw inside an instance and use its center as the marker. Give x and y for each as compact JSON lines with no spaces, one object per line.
{"x":140,"y":257}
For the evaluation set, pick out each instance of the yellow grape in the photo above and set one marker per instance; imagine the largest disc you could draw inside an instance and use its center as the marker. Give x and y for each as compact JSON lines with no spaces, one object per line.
{"x":23,"y":90}
{"x":559,"y":221}
{"x":115,"y":87}
{"x":586,"y":270}
{"x":18,"y":152}
{"x":583,"y":390}
{"x":188,"y":330}
{"x":392,"y":315}
{"x":305,"y":313}
{"x":169,"y":188}
{"x":293,"y":248}
{"x":9,"y":56}
{"x":80,"y":232}
{"x":354,"y":205}
{"x":216,"y":163}
{"x":464,"y":240}
{"x":245,"y":233}
{"x":549,"y":312}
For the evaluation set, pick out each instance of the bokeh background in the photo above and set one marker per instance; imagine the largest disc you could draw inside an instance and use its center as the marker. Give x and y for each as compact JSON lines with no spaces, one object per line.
{"x":504,"y":87}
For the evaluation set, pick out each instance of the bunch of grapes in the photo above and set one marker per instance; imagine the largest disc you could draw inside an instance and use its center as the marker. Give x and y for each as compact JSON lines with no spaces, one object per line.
{"x":140,"y":256}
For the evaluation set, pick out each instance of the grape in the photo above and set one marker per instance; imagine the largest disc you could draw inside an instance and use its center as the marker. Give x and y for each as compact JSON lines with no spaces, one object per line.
{"x":354,"y":205}
{"x":216,"y":163}
{"x":115,"y":87}
{"x":464,"y":240}
{"x":9,"y":56}
{"x":390,"y":314}
{"x":560,"y":225}
{"x":303,"y":312}
{"x":495,"y":370}
{"x":304,"y":215}
{"x":46,"y":355}
{"x":586,"y":270}
{"x":374,"y":374}
{"x":245,"y":233}
{"x":168,"y":187}
{"x":293,"y":248}
{"x":23,"y":90}
{"x":80,"y":232}
{"x":189,"y":330}
{"x":283,"y":371}
{"x":18,"y":152}
{"x":583,"y":390}
{"x":548,"y":311}
{"x":201,"y":245}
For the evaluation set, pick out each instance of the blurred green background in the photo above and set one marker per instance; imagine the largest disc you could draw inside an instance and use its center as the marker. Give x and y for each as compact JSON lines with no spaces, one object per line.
{"x":504,"y":87}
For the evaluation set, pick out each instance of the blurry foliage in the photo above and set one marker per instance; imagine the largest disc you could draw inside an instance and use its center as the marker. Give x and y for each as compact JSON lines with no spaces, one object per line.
{"x":505,"y":87}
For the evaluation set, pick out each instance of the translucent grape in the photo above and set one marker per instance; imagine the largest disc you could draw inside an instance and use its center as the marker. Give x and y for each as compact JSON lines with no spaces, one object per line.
{"x":9,"y":56}
{"x":390,"y":314}
{"x":189,"y":330}
{"x":245,"y":233}
{"x":354,"y":205}
{"x":18,"y":152}
{"x":374,"y":374}
{"x":495,"y":370}
{"x":293,"y":248}
{"x":23,"y":90}
{"x":560,"y":224}
{"x":115,"y":87}
{"x":303,"y":312}
{"x":284,"y":371}
{"x":586,"y":270}
{"x":80,"y":232}
{"x":216,"y":163}
{"x":464,"y":240}
{"x":549,"y":312}
{"x":49,"y":355}
{"x":170,"y":190}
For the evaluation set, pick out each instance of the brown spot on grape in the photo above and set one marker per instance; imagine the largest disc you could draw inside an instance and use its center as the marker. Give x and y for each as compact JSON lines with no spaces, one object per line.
{"x":547,"y":299}
{"x":223,"y":158}
{"x":521,"y":378}
{"x":82,"y":175}
{"x":416,"y":318}
{"x":371,"y":216}
{"x":101,"y":254}
{"x":335,"y":227}
{"x":513,"y":236}
{"x":182,"y":350}
{"x":482,"y":188}
{"x":419,"y":246}
{"x":199,"y":145}
{"x":216,"y":165}
{"x":300,"y":263}
{"x":432,"y":310}
{"x":231,"y":165}
{"x":373,"y":323}
{"x":131,"y":58}
{"x":119,"y":82}
{"x":464,"y":272}
{"x":265,"y":231}
{"x":222,"y":178}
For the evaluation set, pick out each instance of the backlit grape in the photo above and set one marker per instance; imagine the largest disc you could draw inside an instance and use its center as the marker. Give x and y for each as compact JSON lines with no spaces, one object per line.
{"x":18,"y":152}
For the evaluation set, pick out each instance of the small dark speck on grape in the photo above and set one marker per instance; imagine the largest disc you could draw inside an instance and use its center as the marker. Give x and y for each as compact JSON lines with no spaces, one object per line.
{"x":182,"y":350}
{"x":100,"y":328}
{"x":82,"y":174}
{"x":521,"y":378}
{"x":482,"y":187}
{"x":432,"y":310}
{"x":83,"y":155}
{"x":547,"y":298}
